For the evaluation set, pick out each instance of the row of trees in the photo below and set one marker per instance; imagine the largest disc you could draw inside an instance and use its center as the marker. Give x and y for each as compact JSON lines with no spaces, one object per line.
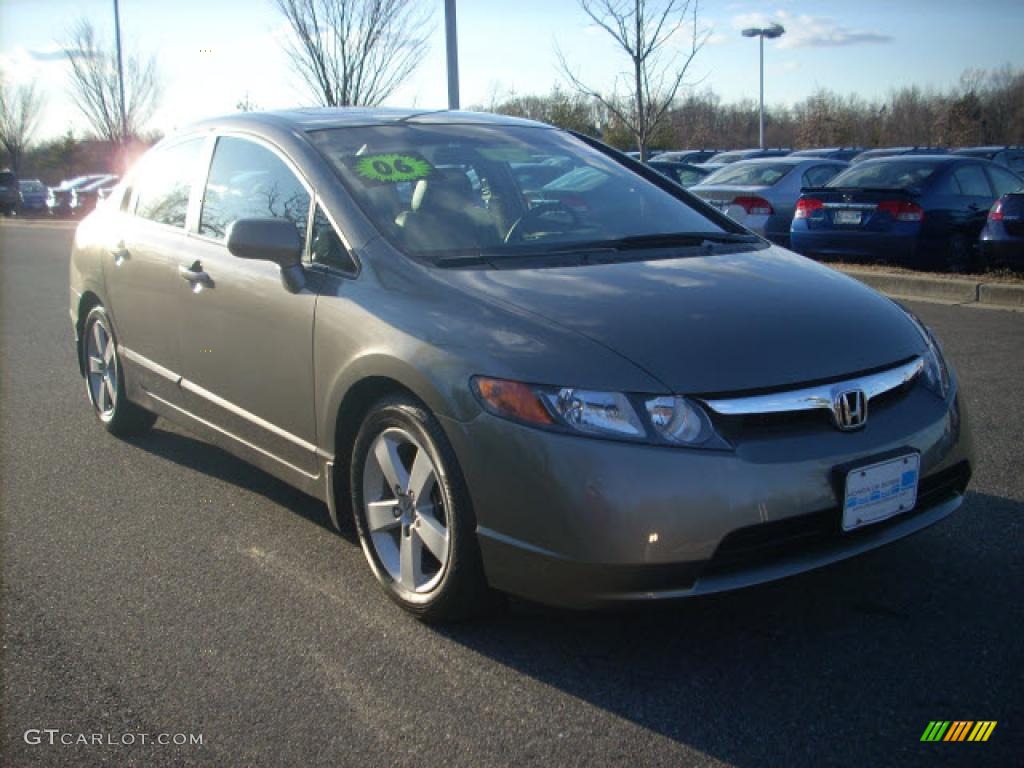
{"x":985,"y":107}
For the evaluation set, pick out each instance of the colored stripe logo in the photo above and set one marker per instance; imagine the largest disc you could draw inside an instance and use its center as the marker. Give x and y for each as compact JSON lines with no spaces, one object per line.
{"x":958,"y":730}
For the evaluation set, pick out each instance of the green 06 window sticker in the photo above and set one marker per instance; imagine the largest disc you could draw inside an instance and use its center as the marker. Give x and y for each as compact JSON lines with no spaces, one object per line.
{"x":391,"y":168}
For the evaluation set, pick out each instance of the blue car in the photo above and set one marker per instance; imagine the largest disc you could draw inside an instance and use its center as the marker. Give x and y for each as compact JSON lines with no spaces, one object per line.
{"x":923,"y":211}
{"x":33,"y":196}
{"x":1002,"y":239}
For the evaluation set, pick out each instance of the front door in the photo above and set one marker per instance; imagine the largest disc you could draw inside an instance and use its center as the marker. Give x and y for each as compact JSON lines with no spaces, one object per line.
{"x":247,"y":341}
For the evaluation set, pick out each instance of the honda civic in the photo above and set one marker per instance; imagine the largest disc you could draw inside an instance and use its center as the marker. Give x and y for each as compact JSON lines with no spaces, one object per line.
{"x":618,"y":396}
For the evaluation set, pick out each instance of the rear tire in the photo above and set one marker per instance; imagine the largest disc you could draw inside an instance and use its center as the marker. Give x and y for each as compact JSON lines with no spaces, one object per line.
{"x":104,"y":379}
{"x":413,"y":515}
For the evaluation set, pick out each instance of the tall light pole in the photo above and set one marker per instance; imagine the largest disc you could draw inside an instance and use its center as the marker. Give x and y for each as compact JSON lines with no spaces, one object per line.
{"x":120,"y":72}
{"x":775,"y":30}
{"x":452,"y":41}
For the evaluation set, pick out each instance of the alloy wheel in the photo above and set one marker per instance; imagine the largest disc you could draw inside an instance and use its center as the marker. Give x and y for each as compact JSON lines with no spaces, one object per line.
{"x":405,"y":511}
{"x":101,"y":368}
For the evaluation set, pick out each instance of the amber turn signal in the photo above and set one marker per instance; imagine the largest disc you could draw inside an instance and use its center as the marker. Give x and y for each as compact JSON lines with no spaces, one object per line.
{"x":511,"y":399}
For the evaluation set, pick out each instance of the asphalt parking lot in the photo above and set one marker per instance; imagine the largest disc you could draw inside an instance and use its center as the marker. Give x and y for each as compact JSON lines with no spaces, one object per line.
{"x":162,"y":586}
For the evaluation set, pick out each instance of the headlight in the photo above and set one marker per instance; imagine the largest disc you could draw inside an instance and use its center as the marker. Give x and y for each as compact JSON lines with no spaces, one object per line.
{"x":936,"y":373}
{"x":678,"y":420}
{"x":670,"y":419}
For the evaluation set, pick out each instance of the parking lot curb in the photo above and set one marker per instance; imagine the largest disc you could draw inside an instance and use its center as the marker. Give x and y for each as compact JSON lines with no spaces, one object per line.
{"x":1001,"y":295}
{"x":953,"y":290}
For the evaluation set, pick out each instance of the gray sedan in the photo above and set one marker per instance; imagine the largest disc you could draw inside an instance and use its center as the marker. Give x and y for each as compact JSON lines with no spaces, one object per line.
{"x":556,"y":397}
{"x":762,"y":194}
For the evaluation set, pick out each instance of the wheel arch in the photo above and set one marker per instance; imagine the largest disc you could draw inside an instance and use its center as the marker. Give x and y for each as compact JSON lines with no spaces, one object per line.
{"x":364,"y":383}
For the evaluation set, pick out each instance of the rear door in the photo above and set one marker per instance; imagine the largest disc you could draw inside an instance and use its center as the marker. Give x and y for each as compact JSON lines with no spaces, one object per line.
{"x":247,"y":342}
{"x":976,"y":197}
{"x":144,"y":242}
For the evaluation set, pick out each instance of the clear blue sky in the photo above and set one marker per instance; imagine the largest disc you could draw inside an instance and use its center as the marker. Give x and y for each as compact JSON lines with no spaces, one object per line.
{"x":857,"y":46}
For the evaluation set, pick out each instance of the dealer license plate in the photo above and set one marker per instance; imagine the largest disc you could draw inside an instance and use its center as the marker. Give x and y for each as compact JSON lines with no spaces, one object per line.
{"x":879,"y":491}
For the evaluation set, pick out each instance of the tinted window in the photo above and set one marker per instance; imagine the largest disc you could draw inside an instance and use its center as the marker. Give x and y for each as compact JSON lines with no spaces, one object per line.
{"x":1014,"y":161}
{"x":750,"y":174}
{"x":165,"y":181}
{"x":886,"y":174}
{"x":729,"y":157}
{"x":817,"y":176}
{"x":7,"y":179}
{"x":1004,"y":181}
{"x":433,"y":189}
{"x":972,"y":181}
{"x":248,"y":181}
{"x":326,"y":247}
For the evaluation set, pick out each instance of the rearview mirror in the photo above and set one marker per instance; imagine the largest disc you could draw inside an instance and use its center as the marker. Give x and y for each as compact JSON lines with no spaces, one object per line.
{"x":275,"y":240}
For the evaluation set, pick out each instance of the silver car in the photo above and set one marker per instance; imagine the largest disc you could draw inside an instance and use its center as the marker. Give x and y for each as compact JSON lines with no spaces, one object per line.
{"x":614,"y":394}
{"x":762,"y":194}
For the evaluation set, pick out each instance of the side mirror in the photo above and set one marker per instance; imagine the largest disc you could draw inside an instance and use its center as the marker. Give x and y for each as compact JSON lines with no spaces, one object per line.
{"x":275,"y":240}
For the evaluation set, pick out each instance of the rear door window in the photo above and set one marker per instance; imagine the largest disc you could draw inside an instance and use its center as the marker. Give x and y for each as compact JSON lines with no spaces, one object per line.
{"x":164,"y":183}
{"x":819,"y":174}
{"x":972,"y":181}
{"x":1004,"y":181}
{"x":249,"y":181}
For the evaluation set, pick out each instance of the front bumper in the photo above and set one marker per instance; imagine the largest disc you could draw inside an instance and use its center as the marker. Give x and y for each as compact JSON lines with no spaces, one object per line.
{"x":586,"y":522}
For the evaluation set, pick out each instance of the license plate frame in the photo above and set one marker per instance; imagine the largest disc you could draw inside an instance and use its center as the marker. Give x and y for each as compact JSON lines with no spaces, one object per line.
{"x":848,"y":218}
{"x":880,"y":490}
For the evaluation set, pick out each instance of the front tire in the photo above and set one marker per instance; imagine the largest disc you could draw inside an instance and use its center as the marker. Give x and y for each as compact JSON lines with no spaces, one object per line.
{"x":104,"y":379}
{"x":413,"y":514}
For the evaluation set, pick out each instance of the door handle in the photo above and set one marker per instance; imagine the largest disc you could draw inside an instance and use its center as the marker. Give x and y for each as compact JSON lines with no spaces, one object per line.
{"x":120,"y":254}
{"x":195,"y":276}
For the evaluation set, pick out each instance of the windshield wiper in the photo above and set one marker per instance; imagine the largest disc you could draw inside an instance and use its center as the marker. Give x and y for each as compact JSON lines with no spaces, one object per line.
{"x":669,"y":239}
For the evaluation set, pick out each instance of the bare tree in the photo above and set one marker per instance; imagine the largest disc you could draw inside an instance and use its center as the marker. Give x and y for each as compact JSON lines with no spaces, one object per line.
{"x":644,"y":30}
{"x":20,"y":109}
{"x":94,"y":87}
{"x":246,"y":104}
{"x":355,"y":52}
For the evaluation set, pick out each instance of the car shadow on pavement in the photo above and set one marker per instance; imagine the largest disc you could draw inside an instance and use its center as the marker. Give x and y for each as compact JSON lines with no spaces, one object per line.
{"x":201,"y":456}
{"x":846,"y":665}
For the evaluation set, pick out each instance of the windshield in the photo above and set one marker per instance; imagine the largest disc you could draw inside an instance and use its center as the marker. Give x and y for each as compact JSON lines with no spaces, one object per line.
{"x":749,"y":174}
{"x":886,"y":174}
{"x":434,"y":189}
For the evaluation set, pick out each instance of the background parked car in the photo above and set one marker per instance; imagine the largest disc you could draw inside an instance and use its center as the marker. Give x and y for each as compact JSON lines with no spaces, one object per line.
{"x":683,"y":174}
{"x":735,"y":155}
{"x":846,"y":154}
{"x":1011,"y":157}
{"x":9,"y":196}
{"x":33,"y":196}
{"x":874,"y":154}
{"x":1002,"y":239}
{"x":919,"y":211}
{"x":58,"y":201}
{"x":691,"y":156}
{"x":84,"y":197}
{"x":761,"y":194}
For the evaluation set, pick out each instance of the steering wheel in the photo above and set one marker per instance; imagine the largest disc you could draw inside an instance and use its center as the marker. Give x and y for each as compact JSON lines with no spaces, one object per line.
{"x":532,"y":220}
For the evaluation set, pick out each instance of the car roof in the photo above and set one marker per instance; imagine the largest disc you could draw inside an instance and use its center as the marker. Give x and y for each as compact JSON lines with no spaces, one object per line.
{"x":787,"y":160}
{"x":322,"y":118}
{"x":993,"y":148}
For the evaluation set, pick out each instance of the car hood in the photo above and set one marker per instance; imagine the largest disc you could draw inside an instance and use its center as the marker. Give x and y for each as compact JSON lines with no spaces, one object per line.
{"x":714,"y":324}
